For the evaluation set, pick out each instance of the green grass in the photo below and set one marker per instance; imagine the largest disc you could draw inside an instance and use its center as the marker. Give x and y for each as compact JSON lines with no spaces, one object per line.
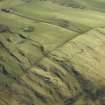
{"x":52,"y":52}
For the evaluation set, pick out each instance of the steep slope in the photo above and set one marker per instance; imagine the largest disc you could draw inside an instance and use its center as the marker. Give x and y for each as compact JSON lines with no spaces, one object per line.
{"x":52,"y":52}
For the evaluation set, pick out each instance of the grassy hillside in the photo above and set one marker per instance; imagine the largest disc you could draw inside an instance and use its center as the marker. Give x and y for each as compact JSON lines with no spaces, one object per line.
{"x":52,"y":52}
